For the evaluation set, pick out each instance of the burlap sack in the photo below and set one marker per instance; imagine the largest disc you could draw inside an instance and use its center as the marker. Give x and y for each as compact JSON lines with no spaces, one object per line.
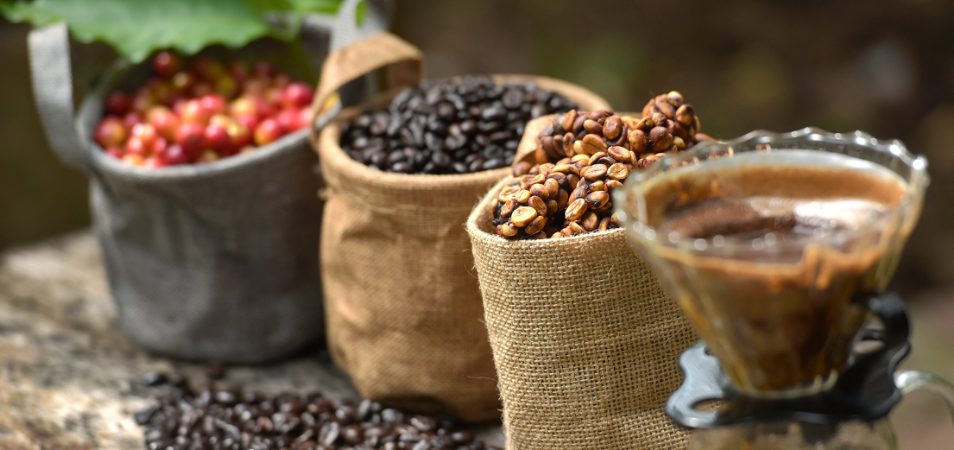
{"x":211,"y":262}
{"x":585,"y":341}
{"x":404,"y":315}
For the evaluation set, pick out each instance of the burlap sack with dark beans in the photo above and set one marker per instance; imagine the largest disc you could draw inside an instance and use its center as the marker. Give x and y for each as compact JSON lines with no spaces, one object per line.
{"x":404,"y":315}
{"x":585,"y":341}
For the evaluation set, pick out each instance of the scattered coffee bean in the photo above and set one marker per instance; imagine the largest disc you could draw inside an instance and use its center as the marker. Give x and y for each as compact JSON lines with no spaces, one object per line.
{"x":424,"y":423}
{"x":449,"y":126}
{"x":155,"y":379}
{"x":212,"y":419}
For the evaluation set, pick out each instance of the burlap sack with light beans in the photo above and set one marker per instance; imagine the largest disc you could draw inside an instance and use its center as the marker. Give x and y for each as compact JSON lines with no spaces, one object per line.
{"x":585,"y":341}
{"x":404,"y":314}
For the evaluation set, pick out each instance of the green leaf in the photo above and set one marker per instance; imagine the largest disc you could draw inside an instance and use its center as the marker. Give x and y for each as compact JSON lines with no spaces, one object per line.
{"x":137,"y":28}
{"x":314,"y":6}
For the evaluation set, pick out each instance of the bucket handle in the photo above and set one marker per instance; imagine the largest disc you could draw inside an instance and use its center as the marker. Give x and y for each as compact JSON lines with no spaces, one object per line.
{"x":49,"y":49}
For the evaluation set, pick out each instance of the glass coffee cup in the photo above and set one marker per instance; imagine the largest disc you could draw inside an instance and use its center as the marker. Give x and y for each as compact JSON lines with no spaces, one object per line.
{"x":771,"y":244}
{"x":777,"y":248}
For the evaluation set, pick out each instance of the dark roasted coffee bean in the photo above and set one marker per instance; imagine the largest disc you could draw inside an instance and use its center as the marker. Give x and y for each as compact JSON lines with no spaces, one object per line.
{"x":400,"y":167}
{"x":455,"y":141}
{"x":424,"y":423}
{"x":433,"y":141}
{"x":346,"y":414}
{"x":441,"y":160}
{"x":487,"y":128}
{"x":420,"y":158}
{"x":454,"y":118}
{"x":460,"y":167}
{"x":462,"y":437}
{"x":329,"y":433}
{"x":155,"y":378}
{"x":213,"y":419}
{"x":390,"y":415}
{"x":145,"y":416}
{"x":513,"y":98}
{"x":397,"y":156}
{"x":492,"y":163}
{"x":353,"y":434}
{"x":379,"y":160}
{"x":493,"y":113}
{"x":468,"y":126}
{"x":225,"y":398}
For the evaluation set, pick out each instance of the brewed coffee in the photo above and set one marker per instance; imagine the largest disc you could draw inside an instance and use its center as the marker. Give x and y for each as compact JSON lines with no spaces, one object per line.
{"x":778,"y":244}
{"x":770,"y":218}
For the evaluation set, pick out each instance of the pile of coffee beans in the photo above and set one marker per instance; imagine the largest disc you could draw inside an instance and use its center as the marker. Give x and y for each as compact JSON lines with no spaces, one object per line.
{"x":201,"y":112}
{"x":564,"y":199}
{"x":667,"y":124}
{"x":211,"y":419}
{"x":564,"y":188}
{"x":460,"y":125}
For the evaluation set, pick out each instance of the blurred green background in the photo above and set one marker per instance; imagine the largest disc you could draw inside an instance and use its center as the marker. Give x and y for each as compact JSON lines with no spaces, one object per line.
{"x":886,"y":67}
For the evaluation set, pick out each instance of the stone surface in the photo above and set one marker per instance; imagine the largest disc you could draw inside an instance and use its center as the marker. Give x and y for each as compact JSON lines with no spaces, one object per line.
{"x":70,"y":380}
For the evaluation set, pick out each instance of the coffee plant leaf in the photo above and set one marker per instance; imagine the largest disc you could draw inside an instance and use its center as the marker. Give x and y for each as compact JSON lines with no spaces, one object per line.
{"x":137,"y":28}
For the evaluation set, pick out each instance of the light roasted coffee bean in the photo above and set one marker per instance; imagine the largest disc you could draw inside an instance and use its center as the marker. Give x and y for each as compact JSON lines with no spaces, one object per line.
{"x":523,"y":216}
{"x":594,"y":172}
{"x":536,"y":225}
{"x":590,"y":222}
{"x":598,"y":200}
{"x":538,"y":205}
{"x":618,"y":171}
{"x":584,"y":157}
{"x":575,"y":210}
{"x":612,"y":127}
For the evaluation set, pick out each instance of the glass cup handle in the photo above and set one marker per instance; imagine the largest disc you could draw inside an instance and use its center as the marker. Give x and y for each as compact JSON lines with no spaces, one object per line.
{"x":911,"y":380}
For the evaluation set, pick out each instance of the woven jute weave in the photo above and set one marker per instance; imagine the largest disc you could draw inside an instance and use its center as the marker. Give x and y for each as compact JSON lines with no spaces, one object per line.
{"x":404,"y":314}
{"x":585,"y":341}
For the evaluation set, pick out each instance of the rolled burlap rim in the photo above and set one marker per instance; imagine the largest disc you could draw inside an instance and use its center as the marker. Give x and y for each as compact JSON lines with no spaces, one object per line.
{"x":451,"y":192}
{"x":404,"y":314}
{"x":585,"y":342}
